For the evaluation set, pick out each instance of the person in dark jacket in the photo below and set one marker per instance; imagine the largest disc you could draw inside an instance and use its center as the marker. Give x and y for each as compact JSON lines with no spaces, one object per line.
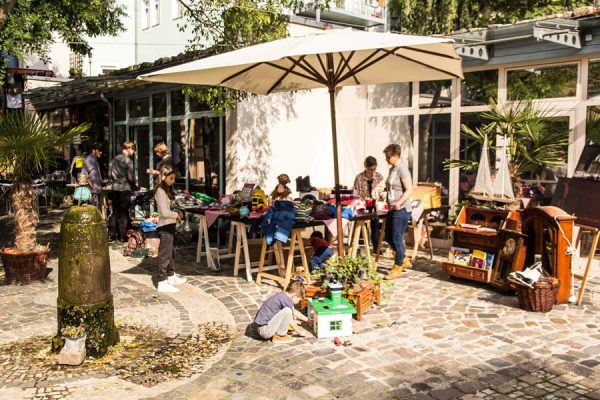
{"x":92,"y":169}
{"x":122,"y":174}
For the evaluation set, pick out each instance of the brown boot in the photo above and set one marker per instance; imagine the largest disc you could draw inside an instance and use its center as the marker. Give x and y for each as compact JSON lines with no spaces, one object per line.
{"x":395,"y":272}
{"x":282,"y":339}
{"x":406,"y":263}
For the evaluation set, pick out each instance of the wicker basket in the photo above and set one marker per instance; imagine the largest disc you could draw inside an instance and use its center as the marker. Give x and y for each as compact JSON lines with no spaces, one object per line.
{"x":541,"y":298}
{"x":23,"y":268}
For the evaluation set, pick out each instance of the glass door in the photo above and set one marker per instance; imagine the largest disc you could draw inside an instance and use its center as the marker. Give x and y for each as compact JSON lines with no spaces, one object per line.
{"x":141,"y":136}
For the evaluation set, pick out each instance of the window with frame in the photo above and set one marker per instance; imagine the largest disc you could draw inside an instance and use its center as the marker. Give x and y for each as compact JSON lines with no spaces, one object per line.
{"x":335,"y":325}
{"x":593,"y":83}
{"x":542,"y":82}
{"x":146,"y":14}
{"x":479,"y":87}
{"x":155,"y":17}
{"x":435,"y":94}
{"x":178,"y":9}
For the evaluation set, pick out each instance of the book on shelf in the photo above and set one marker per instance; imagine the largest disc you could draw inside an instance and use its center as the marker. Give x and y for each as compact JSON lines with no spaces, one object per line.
{"x":459,"y":255}
{"x":478,"y":259}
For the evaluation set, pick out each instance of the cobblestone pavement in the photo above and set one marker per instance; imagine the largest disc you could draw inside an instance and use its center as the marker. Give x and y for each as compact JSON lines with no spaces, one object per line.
{"x":30,"y":311}
{"x":431,"y":338}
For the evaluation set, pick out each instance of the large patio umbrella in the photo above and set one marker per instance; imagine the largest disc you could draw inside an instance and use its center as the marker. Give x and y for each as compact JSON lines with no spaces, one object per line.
{"x":326,"y":59}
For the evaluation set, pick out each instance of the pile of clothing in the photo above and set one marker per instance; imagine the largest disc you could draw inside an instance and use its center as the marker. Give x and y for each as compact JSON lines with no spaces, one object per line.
{"x":278,"y":222}
{"x":303,"y":211}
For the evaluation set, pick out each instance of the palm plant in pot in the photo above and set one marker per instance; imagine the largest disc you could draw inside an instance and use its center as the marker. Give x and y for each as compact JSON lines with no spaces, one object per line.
{"x":27,"y":144}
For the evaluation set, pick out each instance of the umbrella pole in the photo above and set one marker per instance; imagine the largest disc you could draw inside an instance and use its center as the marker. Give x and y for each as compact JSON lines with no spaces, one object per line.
{"x":336,"y":174}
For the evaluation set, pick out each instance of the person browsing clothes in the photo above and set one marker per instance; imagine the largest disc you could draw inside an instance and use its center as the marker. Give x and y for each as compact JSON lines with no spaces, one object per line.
{"x":369,"y":185}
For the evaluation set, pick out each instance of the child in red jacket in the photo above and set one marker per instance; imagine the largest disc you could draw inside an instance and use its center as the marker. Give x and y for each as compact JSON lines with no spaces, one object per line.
{"x":322,"y":250}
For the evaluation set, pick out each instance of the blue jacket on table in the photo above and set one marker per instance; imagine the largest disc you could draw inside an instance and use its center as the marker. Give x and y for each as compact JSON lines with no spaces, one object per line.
{"x":278,"y":221}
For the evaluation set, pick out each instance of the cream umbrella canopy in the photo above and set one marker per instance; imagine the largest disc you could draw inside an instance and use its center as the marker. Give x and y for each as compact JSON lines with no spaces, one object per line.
{"x":326,"y":59}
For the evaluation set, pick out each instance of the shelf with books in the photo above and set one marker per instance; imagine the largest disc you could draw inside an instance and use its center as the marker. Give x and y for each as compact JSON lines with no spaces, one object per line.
{"x":476,"y":239}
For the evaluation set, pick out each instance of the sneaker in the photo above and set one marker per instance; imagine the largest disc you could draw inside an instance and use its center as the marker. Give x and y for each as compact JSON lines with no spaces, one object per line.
{"x":406,"y":263}
{"x":395,"y":273}
{"x":282,"y":339}
{"x":165,"y":287}
{"x":176,"y":279}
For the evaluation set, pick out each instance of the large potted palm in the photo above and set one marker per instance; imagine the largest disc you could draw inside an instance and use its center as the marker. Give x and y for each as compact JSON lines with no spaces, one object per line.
{"x":27,"y":143}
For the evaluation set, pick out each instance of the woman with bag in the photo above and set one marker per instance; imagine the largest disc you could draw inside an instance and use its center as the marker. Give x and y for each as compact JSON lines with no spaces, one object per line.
{"x":167,"y":220}
{"x":399,"y":190}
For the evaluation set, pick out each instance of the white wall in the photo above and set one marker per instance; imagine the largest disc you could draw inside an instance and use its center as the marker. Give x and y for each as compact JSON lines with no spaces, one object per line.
{"x":291,"y":134}
{"x":163,"y":39}
{"x":113,"y":52}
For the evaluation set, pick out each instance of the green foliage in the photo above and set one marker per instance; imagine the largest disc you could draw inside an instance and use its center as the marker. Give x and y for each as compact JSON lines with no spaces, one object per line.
{"x":229,"y":25}
{"x":27,"y":143}
{"x":351,"y":270}
{"x":73,"y":332}
{"x":592,"y":127}
{"x":30,"y":26}
{"x":444,"y":16}
{"x":535,"y":142}
{"x":542,"y":83}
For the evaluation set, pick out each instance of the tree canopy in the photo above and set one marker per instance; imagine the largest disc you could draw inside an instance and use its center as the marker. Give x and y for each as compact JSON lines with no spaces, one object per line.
{"x":27,"y":26}
{"x":444,"y":16}
{"x":232,"y":24}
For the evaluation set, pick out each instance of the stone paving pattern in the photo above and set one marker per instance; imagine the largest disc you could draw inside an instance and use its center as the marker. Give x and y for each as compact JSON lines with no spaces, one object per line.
{"x":432,"y":338}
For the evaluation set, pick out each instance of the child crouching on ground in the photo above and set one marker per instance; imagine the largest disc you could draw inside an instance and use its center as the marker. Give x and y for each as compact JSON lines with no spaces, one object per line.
{"x":322,"y":250}
{"x":277,"y":313}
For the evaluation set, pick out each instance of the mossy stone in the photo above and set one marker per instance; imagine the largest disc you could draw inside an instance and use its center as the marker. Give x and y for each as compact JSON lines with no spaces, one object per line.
{"x":84,"y":295}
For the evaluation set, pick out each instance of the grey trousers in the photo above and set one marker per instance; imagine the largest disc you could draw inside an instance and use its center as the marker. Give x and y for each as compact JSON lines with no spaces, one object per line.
{"x":277,"y":325}
{"x":166,"y":251}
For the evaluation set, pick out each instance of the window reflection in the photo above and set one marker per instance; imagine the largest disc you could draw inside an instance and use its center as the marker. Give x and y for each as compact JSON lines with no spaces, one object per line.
{"x":435,"y":94}
{"x":542,"y":82}
{"x":478,"y":87}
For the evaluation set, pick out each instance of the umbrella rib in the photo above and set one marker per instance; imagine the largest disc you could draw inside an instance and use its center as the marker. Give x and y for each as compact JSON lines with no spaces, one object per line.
{"x":243,"y":71}
{"x":345,"y":63}
{"x":322,"y":65}
{"x":311,"y":78}
{"x":433,"y":53}
{"x":314,"y":70}
{"x":427,"y":65}
{"x":366,"y":63}
{"x":310,"y":70}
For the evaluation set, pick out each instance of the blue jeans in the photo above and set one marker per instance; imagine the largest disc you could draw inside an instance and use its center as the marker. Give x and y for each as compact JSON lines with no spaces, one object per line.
{"x":321,"y":255}
{"x":375,"y":226}
{"x":395,"y":227}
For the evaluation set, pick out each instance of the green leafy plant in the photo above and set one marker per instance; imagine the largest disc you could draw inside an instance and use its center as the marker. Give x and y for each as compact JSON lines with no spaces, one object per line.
{"x":350,"y":271}
{"x":73,"y":332}
{"x":27,"y":143}
{"x":534,"y":142}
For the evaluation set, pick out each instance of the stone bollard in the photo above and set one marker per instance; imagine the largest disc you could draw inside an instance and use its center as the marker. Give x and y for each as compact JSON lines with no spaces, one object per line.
{"x":84,"y":295}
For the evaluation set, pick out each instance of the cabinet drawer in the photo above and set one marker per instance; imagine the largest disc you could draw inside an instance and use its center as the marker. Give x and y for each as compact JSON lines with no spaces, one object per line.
{"x":471,"y":273}
{"x":474,"y":241}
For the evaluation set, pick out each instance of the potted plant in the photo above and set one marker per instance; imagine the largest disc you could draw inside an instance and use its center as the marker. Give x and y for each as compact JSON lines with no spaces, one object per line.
{"x":358,"y":278}
{"x":74,"y":338}
{"x":27,"y":144}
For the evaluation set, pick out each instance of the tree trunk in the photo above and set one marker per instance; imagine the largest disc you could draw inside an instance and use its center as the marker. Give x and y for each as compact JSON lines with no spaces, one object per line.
{"x":26,"y":216}
{"x":5,"y":11}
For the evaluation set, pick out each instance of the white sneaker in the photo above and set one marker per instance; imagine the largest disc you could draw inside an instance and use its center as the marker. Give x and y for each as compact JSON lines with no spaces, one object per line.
{"x":176,"y":279}
{"x":165,"y":287}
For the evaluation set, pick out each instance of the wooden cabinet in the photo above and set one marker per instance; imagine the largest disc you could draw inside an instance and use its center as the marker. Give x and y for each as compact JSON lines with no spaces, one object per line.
{"x":486,"y":230}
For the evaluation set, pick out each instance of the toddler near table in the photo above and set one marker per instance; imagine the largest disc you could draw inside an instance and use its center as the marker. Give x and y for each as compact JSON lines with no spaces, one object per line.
{"x":323,"y":251}
{"x":277,"y":314}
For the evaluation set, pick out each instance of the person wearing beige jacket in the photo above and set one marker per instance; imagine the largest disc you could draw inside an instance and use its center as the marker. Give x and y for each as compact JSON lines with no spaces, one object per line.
{"x":167,"y":221}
